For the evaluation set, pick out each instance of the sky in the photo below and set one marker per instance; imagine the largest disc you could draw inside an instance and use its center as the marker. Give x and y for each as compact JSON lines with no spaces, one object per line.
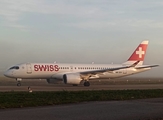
{"x":80,"y":31}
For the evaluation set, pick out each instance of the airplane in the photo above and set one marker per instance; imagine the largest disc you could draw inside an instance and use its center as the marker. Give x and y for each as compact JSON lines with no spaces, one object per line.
{"x":76,"y":73}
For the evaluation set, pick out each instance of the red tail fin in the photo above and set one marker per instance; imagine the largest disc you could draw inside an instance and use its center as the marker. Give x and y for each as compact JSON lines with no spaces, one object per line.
{"x":139,"y":54}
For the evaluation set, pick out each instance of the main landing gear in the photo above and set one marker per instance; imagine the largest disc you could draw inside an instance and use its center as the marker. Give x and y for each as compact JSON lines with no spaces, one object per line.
{"x":86,"y":84}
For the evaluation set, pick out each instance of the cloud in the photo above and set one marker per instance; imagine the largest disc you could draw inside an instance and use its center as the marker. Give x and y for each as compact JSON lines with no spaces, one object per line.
{"x":12,"y":10}
{"x":119,"y":24}
{"x":81,"y":8}
{"x":85,"y":14}
{"x":143,"y":23}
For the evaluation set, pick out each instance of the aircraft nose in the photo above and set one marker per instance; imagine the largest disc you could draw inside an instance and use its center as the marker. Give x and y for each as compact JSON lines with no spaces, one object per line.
{"x":7,"y":74}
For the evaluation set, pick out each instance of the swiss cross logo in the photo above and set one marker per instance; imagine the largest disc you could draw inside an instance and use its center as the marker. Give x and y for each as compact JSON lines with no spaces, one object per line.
{"x":140,"y":52}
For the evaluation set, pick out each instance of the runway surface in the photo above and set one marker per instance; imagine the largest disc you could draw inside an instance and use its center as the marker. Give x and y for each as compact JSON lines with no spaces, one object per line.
{"x":7,"y":84}
{"x":61,"y":87}
{"x":149,"y":109}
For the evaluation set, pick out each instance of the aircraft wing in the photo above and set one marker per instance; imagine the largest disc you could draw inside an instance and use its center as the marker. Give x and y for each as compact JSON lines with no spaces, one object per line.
{"x":88,"y":74}
{"x":109,"y":70}
{"x":147,"y":66}
{"x":95,"y":72}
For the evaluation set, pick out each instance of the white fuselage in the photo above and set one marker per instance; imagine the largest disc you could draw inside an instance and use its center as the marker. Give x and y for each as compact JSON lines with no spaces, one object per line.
{"x":56,"y":70}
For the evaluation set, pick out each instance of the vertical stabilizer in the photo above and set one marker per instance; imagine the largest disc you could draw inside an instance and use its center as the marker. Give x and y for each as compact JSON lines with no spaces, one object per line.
{"x":138,"y":54}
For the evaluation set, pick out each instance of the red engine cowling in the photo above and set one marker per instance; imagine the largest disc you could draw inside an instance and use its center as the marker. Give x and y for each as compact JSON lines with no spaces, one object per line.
{"x":72,"y":78}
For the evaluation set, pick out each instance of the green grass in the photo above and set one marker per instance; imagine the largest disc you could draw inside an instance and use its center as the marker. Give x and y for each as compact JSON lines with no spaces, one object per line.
{"x":25,"y":99}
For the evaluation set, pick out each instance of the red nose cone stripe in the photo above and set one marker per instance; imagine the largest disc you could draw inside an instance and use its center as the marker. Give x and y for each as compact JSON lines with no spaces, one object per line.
{"x":139,"y":53}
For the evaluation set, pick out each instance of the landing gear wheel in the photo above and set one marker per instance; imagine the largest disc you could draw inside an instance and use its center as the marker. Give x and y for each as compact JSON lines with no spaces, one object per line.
{"x":18,"y":84}
{"x":86,"y":83}
{"x":19,"y":81}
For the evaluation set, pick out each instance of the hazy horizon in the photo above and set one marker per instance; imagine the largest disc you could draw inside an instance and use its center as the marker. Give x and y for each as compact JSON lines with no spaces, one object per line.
{"x":80,"y":31}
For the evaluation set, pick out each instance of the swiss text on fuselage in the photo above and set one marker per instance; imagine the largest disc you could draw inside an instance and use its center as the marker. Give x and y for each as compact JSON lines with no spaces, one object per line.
{"x":46,"y":68}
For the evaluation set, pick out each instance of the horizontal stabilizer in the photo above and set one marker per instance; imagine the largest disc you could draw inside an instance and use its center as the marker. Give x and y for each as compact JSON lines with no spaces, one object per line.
{"x":147,"y":66}
{"x":134,"y":64}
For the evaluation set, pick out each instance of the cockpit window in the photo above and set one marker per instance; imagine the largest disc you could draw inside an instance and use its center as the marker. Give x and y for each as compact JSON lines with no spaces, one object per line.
{"x":15,"y":67}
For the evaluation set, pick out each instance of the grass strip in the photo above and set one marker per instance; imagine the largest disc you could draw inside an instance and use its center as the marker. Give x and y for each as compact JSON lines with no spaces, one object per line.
{"x":25,"y":99}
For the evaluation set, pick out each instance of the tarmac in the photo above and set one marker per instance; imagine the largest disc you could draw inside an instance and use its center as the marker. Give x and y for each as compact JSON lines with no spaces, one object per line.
{"x":63,"y":87}
{"x":144,"y":109}
{"x":114,"y":84}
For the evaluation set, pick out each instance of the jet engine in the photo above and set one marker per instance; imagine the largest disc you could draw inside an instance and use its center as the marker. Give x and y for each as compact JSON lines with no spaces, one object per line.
{"x":72,"y":78}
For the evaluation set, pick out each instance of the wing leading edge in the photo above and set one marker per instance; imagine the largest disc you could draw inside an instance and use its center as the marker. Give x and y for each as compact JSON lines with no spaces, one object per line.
{"x":88,"y":74}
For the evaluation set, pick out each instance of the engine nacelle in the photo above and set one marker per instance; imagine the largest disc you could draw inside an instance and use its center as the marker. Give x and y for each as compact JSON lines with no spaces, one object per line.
{"x":72,"y":78}
{"x":53,"y":81}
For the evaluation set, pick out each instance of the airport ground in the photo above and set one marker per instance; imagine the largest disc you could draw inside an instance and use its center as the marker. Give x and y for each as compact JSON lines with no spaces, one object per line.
{"x":7,"y":84}
{"x":145,"y":109}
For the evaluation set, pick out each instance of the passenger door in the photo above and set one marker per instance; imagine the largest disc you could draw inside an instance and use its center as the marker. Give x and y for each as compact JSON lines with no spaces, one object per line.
{"x":29,"y":68}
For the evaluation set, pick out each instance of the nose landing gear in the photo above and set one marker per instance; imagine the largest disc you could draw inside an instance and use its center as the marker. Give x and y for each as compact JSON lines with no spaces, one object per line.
{"x":19,"y":81}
